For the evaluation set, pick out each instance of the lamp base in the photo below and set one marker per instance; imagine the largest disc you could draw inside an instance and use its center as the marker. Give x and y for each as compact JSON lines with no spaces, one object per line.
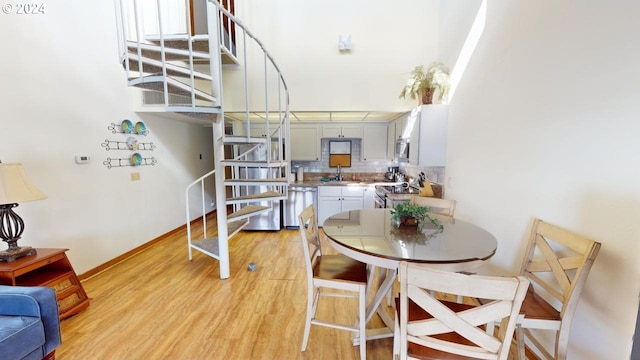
{"x":12,"y":254}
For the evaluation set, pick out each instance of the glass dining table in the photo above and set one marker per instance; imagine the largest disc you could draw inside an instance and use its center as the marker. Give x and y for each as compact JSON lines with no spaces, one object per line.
{"x":373,"y":237}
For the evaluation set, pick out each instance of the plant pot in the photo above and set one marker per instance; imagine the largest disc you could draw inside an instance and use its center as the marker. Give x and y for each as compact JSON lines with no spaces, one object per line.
{"x":409,"y":221}
{"x":427,"y":96}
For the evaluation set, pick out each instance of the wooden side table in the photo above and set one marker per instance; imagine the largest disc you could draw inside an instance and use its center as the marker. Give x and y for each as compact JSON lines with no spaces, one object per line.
{"x":48,"y":267}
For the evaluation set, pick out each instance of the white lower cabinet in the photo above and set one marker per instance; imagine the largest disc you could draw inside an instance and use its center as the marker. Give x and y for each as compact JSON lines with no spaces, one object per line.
{"x":336,"y":199}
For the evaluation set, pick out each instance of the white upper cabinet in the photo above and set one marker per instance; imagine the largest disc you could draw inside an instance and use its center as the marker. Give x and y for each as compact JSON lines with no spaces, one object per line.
{"x":428,"y":145}
{"x":341,"y":130}
{"x":260,"y":129}
{"x":305,"y":142}
{"x":374,"y":142}
{"x":400,"y":126}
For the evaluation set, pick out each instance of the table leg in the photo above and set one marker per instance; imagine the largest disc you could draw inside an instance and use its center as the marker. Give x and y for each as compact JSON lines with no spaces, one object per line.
{"x":385,"y":281}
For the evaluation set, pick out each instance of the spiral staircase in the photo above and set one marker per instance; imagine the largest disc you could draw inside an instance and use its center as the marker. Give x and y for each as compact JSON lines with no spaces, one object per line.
{"x":161,"y":52}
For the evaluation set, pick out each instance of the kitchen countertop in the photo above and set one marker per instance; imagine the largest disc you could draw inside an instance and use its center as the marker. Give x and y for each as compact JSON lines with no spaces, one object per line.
{"x":437,"y":188}
{"x":341,"y":183}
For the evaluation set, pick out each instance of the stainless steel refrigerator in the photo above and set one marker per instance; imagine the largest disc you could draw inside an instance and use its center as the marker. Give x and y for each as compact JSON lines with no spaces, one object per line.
{"x":269,"y":220}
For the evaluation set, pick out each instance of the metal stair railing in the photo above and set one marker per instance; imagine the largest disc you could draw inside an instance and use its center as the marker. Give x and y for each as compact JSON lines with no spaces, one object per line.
{"x":144,"y":53}
{"x":145,"y":38}
{"x":201,"y":182}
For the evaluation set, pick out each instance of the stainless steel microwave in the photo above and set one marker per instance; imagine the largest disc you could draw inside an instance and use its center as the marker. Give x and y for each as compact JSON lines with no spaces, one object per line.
{"x":402,"y":149}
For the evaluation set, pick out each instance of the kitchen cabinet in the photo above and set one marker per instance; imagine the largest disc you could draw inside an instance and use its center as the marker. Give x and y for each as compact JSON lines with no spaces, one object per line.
{"x":400,"y":125}
{"x":257,"y":129}
{"x":414,"y":140}
{"x":337,"y":199}
{"x":305,"y":142}
{"x":341,"y":131}
{"x":260,"y":129}
{"x":429,"y":138}
{"x":374,"y":142}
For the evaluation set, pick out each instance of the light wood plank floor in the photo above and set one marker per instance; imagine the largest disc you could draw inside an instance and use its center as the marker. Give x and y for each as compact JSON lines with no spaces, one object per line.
{"x":159,"y":305}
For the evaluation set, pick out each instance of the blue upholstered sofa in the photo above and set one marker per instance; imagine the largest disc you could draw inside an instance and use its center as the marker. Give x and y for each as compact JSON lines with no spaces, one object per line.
{"x":29,"y":323}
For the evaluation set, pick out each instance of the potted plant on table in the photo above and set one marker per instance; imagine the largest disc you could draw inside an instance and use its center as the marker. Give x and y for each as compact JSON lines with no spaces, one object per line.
{"x":412,"y":215}
{"x":425,"y":81}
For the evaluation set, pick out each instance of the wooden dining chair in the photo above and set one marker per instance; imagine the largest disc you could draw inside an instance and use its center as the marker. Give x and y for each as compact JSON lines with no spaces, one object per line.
{"x":448,"y":206}
{"x":428,"y":327}
{"x":557,"y":262}
{"x":328,"y":273}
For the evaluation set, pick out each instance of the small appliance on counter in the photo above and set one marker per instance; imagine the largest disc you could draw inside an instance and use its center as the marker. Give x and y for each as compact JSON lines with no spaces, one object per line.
{"x":390,"y":175}
{"x":300,"y":174}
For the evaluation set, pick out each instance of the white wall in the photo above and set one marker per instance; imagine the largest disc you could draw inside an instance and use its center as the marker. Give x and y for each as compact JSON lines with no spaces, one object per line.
{"x":545,"y":124}
{"x":456,"y":18}
{"x":389,"y":40}
{"x":61,"y":88}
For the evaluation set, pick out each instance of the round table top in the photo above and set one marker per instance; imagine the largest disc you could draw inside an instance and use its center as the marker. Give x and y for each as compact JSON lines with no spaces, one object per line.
{"x":371,"y":232}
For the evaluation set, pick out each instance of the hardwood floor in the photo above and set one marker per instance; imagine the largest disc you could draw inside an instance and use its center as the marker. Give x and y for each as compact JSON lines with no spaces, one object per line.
{"x":159,"y":305}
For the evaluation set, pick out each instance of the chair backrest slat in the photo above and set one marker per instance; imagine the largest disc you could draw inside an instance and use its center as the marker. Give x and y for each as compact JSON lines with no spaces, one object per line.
{"x":448,"y":206}
{"x":558,"y":262}
{"x":310,"y":238}
{"x":504,"y":297}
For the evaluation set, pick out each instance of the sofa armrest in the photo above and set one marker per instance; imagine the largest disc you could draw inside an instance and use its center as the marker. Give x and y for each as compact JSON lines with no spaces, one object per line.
{"x":39,"y":301}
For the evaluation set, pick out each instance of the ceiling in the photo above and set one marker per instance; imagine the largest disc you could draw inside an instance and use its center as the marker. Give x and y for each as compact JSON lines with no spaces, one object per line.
{"x":324,"y":116}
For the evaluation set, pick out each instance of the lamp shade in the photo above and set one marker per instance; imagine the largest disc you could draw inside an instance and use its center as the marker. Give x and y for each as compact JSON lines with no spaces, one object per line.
{"x":15,"y":187}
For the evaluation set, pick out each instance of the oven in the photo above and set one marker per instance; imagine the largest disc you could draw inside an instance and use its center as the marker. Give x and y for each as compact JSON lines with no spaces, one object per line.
{"x":384,"y":198}
{"x":379,"y":200}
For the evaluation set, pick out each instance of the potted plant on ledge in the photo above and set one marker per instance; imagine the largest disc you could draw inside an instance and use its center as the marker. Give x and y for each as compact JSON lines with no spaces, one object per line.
{"x":425,"y":81}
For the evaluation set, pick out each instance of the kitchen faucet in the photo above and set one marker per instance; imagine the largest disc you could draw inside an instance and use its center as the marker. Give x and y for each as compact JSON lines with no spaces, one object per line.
{"x":339,"y":177}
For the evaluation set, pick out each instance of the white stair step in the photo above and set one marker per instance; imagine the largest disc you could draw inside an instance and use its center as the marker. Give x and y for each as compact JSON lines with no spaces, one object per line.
{"x":247,"y":212}
{"x":255,"y":163}
{"x":244,"y":182}
{"x":180,"y":41}
{"x":156,"y":83}
{"x":152,"y":66}
{"x":234,"y":226}
{"x":241,"y":140}
{"x":210,"y":246}
{"x":265,"y":196}
{"x":207,"y":113}
{"x":200,"y":43}
{"x":153,"y":51}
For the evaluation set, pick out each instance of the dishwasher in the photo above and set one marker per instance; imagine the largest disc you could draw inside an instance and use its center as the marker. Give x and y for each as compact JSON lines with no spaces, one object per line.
{"x":298,"y":199}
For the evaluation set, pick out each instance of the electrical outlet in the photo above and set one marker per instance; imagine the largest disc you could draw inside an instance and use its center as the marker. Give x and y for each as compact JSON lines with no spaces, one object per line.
{"x":135,"y":176}
{"x":213,"y":204}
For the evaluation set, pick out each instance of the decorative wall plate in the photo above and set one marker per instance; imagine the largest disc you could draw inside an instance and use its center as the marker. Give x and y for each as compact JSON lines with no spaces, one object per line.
{"x":127,"y":126}
{"x":140,"y":128}
{"x":136,"y":159}
{"x":132,"y":143}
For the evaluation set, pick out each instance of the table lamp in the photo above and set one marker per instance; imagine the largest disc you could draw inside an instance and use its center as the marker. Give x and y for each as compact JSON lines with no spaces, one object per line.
{"x":15,"y":187}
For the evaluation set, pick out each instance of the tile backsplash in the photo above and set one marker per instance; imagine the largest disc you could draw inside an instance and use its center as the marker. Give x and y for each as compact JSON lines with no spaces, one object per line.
{"x":434,"y":174}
